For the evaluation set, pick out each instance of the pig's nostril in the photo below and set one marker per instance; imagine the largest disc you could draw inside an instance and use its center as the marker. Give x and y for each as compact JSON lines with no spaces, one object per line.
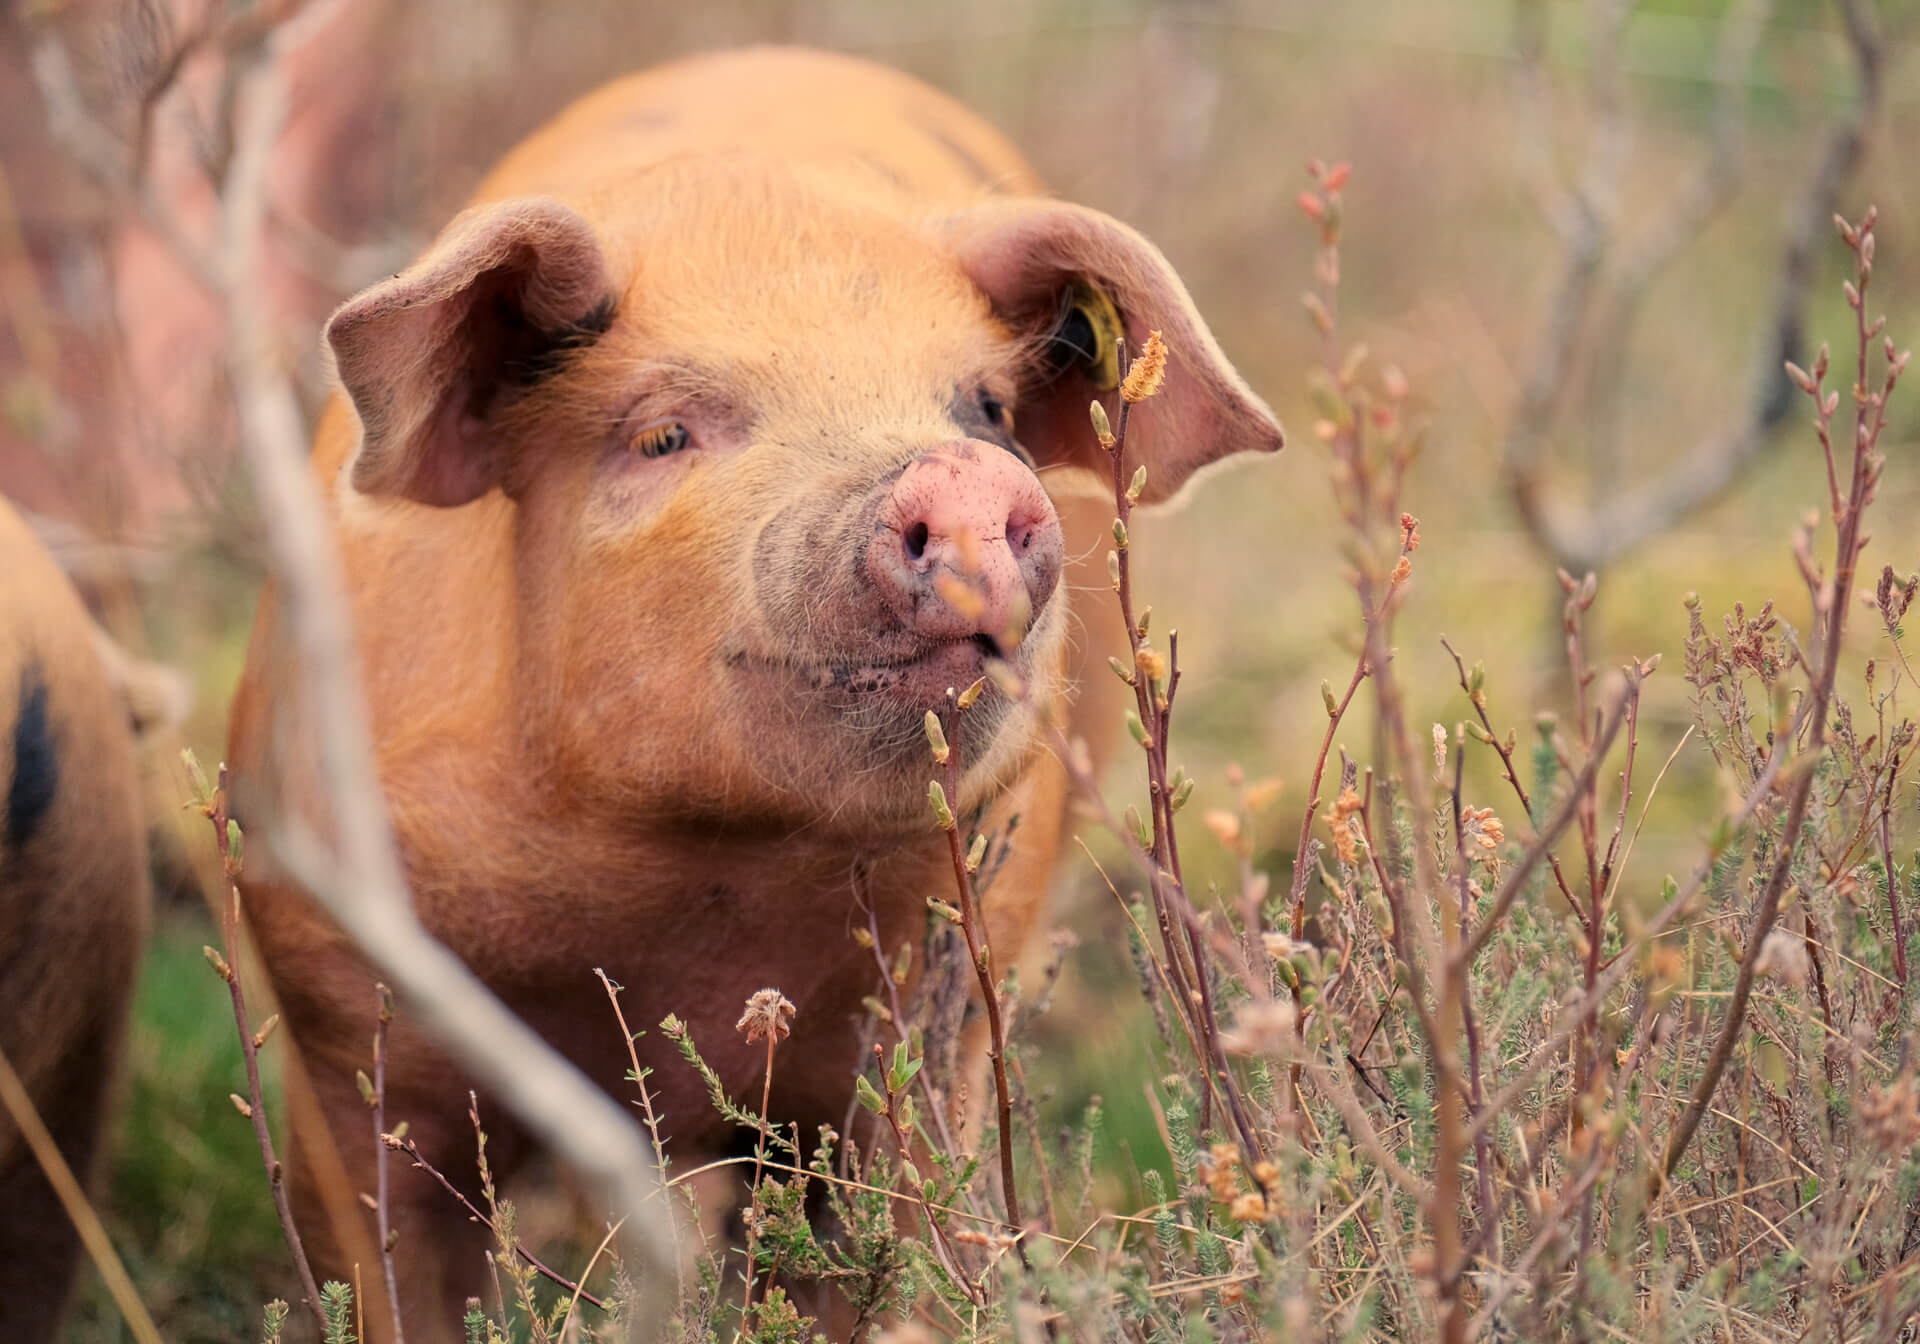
{"x":916,"y":540}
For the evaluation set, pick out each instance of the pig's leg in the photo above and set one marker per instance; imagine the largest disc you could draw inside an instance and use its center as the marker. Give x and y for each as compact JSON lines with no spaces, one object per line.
{"x":38,"y":1245}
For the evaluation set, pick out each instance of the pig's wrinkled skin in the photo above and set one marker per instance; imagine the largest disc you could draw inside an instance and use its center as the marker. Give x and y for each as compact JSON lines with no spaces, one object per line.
{"x":650,"y":700}
{"x":73,"y":910}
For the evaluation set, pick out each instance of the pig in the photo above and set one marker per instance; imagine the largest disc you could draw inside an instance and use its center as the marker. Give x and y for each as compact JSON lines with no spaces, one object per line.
{"x":73,"y":910}
{"x":742,"y":415}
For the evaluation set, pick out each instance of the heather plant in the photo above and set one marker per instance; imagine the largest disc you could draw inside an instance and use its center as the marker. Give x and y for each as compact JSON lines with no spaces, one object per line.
{"x":1465,"y":1069}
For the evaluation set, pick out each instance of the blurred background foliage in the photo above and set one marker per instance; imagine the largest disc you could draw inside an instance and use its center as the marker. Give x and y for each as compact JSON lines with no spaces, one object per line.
{"x":1471,"y":124}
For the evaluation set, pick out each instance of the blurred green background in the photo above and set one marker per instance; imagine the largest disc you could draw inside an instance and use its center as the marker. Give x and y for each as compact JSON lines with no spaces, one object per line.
{"x":1469,"y":124}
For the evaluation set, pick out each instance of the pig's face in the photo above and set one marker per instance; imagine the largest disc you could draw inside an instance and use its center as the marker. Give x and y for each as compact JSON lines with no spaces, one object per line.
{"x":777,"y":468}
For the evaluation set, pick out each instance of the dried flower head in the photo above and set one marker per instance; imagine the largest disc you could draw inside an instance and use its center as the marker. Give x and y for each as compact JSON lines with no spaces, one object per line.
{"x":1281,"y":947}
{"x":1262,"y":793}
{"x":1439,"y":747}
{"x":767,"y":1018}
{"x":1147,"y":372}
{"x":1218,"y":1167}
{"x":1249,"y":1208}
{"x":1261,"y":1027}
{"x":1346,"y":842}
{"x":1890,"y":1115}
{"x":1482,"y":828}
{"x":1784,"y":957}
{"x":1224,"y":825}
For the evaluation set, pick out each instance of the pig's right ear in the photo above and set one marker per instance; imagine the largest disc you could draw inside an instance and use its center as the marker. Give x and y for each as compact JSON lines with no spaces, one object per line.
{"x":431,"y":356}
{"x":1074,"y":281}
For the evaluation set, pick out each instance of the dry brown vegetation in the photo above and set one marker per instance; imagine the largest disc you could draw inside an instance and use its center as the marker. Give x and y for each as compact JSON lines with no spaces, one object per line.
{"x":1557,"y":986}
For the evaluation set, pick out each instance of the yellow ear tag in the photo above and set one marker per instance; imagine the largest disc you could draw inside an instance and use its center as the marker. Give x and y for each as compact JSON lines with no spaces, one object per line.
{"x":1103,"y":370}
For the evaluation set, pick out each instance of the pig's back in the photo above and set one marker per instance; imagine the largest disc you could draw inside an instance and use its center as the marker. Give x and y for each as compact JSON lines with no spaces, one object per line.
{"x":882,"y":135}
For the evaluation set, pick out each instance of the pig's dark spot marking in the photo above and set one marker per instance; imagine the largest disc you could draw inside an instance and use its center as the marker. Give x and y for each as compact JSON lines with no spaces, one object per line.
{"x":36,"y":760}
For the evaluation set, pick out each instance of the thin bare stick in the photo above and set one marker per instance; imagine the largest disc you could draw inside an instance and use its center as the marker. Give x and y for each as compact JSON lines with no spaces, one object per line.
{"x":980,"y":954}
{"x":357,"y":877}
{"x":1831,"y":602}
{"x":1477,"y":697}
{"x":383,"y":1020}
{"x":646,"y":1107}
{"x":412,"y":1150}
{"x":1592,"y":539}
{"x":250,"y":1041}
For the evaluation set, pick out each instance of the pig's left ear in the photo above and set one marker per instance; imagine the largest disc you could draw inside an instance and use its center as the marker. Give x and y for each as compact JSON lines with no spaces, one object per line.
{"x":1071,"y":279}
{"x":433,"y":355}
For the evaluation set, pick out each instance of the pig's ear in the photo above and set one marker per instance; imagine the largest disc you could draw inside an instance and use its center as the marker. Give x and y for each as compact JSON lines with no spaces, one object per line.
{"x":431,"y":356}
{"x":1071,"y":279}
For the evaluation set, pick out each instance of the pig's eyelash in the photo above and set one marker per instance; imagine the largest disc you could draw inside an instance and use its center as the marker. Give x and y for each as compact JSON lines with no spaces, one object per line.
{"x":662,"y":438}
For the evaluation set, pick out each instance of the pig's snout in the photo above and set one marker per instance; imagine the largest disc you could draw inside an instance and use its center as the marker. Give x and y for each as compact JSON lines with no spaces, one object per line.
{"x":967,"y":544}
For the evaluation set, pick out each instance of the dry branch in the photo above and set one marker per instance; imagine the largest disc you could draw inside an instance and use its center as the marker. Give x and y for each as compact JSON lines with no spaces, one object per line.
{"x":1588,"y":539}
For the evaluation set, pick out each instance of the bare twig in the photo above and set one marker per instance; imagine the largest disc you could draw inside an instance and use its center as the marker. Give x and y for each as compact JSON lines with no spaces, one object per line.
{"x":358,"y":878}
{"x":980,"y":954}
{"x":1629,"y":517}
{"x":412,"y":1150}
{"x":255,"y":1110}
{"x":383,"y":1020}
{"x":1831,"y":599}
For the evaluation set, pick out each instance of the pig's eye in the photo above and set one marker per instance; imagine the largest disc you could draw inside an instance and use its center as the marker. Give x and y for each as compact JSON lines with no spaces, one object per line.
{"x":661,"y":439}
{"x":995,"y":410}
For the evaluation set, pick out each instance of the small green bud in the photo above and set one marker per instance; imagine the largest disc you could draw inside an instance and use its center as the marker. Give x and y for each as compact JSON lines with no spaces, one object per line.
{"x":1121,"y":670}
{"x":937,"y":739}
{"x":218,"y":962}
{"x":266,"y":1030}
{"x":1326,"y":698}
{"x":1181,"y":793}
{"x":365,"y":1084}
{"x":1102,"y":427}
{"x":1141,"y":835}
{"x":233,"y":839}
{"x":1136,"y":729}
{"x":240,"y":1104}
{"x":1113,"y":567}
{"x":1138,"y":484}
{"x":972,"y":693}
{"x":976,"y":852}
{"x":202,"y":791}
{"x":938,"y":797}
{"x":1146,"y":619}
{"x":1120,"y":534}
{"x":869,"y":1095}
